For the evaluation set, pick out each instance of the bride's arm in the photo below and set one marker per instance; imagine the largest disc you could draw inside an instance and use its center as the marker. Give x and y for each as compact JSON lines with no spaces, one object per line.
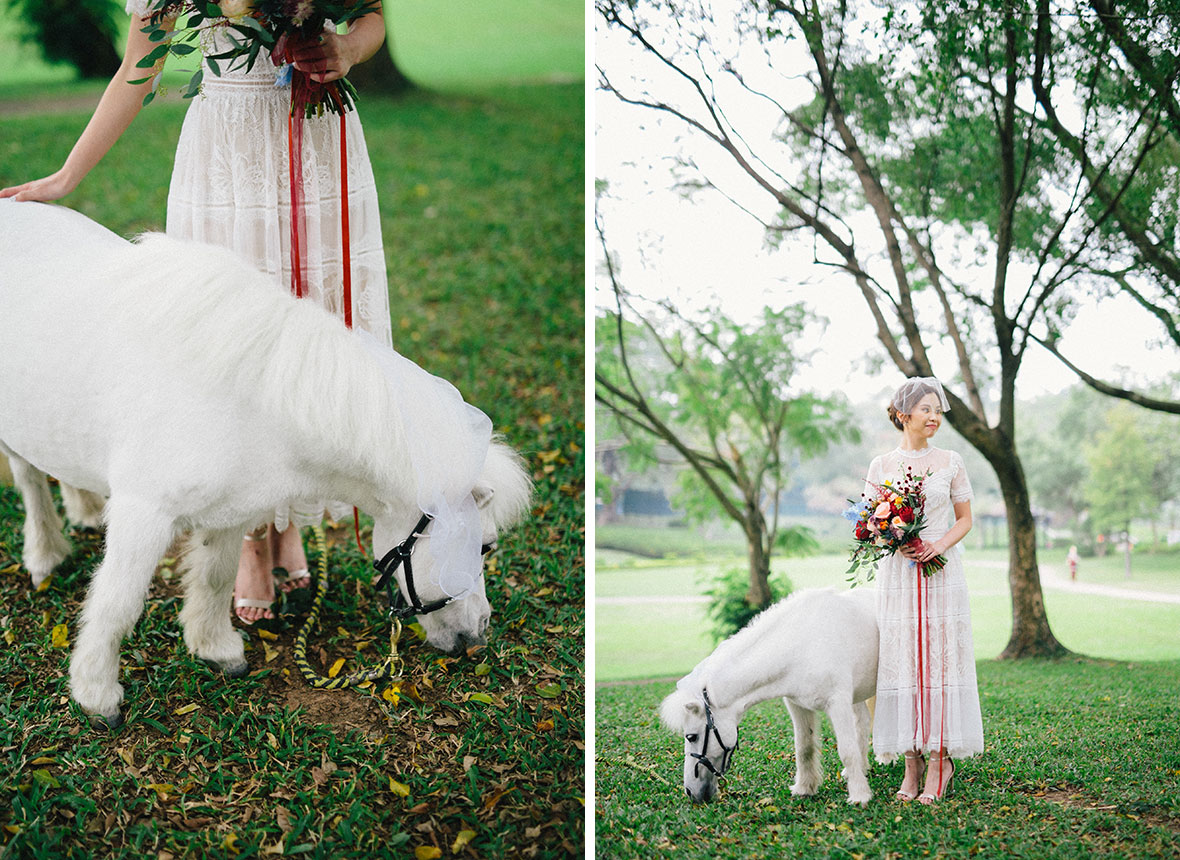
{"x":118,"y":107}
{"x":955,"y":534}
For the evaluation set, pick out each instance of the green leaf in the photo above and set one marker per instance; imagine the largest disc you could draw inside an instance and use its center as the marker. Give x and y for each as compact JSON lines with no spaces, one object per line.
{"x":46,"y":778}
{"x":147,"y":100}
{"x":139,"y":81}
{"x":213,"y":67}
{"x":482,"y":697}
{"x":182,"y":49}
{"x":154,"y":54}
{"x":157,"y":35}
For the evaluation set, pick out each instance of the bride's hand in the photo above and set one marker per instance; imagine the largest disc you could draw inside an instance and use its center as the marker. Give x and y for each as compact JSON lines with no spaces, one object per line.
{"x":52,"y":187}
{"x":325,"y":58}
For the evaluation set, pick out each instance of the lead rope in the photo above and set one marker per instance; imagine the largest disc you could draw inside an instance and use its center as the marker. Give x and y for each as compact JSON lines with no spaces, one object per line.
{"x":390,"y":669}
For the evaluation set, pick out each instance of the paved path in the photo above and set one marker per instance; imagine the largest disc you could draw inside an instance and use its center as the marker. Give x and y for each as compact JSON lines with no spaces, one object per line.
{"x":1054,"y":577}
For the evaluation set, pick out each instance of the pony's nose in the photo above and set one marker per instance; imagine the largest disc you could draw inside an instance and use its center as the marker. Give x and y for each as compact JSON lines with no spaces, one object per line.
{"x":464,"y":642}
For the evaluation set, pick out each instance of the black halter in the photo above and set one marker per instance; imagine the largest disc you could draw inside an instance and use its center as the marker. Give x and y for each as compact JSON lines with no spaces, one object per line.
{"x":399,"y":606}
{"x":703,"y":756}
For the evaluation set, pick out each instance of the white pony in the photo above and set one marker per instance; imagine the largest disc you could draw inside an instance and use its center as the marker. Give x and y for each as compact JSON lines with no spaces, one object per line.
{"x":179,"y":382}
{"x":818,"y":651}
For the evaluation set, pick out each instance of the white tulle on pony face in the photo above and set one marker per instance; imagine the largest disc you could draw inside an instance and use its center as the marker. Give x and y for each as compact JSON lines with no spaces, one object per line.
{"x":447,"y":441}
{"x":911,"y":392}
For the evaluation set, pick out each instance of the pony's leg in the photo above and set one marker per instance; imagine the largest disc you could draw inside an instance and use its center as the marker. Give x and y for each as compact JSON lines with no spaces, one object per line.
{"x":83,"y":508}
{"x":864,"y":727}
{"x":45,"y":545}
{"x":809,"y":773}
{"x":845,"y":724}
{"x":137,"y":536}
{"x":210,"y":564}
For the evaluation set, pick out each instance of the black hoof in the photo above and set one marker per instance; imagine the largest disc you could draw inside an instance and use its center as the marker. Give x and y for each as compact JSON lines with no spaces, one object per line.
{"x":236,"y":670}
{"x":105,"y":724}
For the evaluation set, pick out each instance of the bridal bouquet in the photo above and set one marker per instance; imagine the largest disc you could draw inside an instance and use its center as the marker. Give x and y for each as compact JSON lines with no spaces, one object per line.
{"x":883,"y":523}
{"x":253,"y":27}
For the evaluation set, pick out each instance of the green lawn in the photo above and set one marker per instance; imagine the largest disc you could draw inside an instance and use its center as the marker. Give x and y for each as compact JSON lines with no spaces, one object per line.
{"x":1080,"y":762}
{"x":482,"y":212}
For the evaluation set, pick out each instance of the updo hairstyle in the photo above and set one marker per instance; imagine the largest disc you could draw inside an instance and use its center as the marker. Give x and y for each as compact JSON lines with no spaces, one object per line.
{"x":910,"y":394}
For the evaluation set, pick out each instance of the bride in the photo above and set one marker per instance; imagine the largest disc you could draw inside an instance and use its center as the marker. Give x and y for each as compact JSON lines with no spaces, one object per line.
{"x":927,"y":696}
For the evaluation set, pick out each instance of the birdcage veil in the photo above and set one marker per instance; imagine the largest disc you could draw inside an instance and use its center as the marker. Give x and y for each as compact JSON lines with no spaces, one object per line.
{"x":913,"y":390}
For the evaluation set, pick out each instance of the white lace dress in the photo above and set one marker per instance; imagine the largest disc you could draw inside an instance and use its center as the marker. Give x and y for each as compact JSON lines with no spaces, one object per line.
{"x":231,"y":187}
{"x":927,"y":695}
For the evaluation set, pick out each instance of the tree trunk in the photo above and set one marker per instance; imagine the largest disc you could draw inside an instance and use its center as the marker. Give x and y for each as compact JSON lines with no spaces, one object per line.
{"x":380,"y":75}
{"x":759,"y":594}
{"x":1031,"y":636}
{"x":1127,"y":553}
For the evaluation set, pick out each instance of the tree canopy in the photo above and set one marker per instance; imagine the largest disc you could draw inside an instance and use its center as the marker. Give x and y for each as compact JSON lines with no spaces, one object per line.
{"x":975,"y":169}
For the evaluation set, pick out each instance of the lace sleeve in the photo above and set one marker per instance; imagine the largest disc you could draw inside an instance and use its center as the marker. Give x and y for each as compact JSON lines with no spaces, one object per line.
{"x":960,"y":484}
{"x":873,"y":477}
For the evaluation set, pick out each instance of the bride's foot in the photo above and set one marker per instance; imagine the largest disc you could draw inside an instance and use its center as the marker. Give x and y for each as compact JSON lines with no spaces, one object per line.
{"x":290,"y":561}
{"x":939,"y":780}
{"x":254,"y":588}
{"x":914,"y":762}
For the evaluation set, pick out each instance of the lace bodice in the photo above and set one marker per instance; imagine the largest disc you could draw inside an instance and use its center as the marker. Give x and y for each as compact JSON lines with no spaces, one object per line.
{"x":945,"y":485}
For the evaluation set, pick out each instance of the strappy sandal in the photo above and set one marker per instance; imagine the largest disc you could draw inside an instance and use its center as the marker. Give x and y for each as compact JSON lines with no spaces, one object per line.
{"x":926,"y":798}
{"x":905,"y":795}
{"x":294,"y":580}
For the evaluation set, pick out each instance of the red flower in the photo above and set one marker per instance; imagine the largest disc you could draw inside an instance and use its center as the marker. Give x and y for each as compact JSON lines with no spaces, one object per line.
{"x":906,"y":514}
{"x":862,"y":533}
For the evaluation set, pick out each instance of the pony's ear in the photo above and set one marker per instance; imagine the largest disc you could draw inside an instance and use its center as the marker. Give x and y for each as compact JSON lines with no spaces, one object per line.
{"x":694,"y":708}
{"x":483,"y":495}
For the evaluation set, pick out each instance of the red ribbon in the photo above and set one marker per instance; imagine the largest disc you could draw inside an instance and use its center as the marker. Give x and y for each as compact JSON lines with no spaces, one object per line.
{"x":923,"y":696}
{"x":305,"y":91}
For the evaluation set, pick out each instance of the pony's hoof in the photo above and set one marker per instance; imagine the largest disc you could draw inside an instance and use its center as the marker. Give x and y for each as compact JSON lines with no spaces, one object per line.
{"x":230,"y":670}
{"x":105,"y":723}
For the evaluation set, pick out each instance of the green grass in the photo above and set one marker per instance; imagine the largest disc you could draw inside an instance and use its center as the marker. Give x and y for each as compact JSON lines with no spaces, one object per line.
{"x":487,"y":290}
{"x":1080,"y":762}
{"x":653,"y":639}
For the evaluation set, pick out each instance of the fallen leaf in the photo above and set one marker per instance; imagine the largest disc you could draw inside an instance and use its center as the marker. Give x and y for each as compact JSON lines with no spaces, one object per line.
{"x":162,"y":789}
{"x":182,"y":710}
{"x":461,"y":840}
{"x":271,"y":653}
{"x":229,"y":843}
{"x":468,"y":762}
{"x":46,"y":778}
{"x":43,"y":759}
{"x":336,"y":667}
{"x":268,"y":634}
{"x":399,"y":788}
{"x":283,"y":819}
{"x":427,"y":852}
{"x":60,"y":637}
{"x":9,"y":638}
{"x":548,"y":691}
{"x":483,"y":669}
{"x":482,"y":697}
{"x":545,"y":726}
{"x":391,"y":694}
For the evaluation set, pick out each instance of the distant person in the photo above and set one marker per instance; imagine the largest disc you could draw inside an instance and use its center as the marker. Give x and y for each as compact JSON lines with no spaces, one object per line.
{"x":1072,"y":558}
{"x":927,"y":696}
{"x":230,"y":187}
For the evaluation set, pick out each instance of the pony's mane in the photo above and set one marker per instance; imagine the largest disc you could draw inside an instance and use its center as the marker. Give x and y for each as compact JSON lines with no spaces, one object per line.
{"x":730,"y":652}
{"x":212,"y":310}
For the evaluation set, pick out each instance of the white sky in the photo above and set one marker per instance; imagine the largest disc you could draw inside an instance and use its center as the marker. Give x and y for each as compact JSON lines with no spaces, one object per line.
{"x":705,"y":250}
